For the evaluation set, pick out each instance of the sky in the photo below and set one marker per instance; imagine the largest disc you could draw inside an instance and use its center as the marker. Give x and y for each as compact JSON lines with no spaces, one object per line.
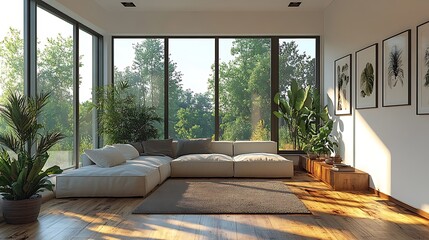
{"x":194,"y":57}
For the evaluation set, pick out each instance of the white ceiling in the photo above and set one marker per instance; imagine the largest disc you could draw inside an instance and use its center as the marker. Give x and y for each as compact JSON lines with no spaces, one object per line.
{"x":211,"y":5}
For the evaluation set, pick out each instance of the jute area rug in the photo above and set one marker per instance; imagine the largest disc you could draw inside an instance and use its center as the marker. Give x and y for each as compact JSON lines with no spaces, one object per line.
{"x":221,"y":196}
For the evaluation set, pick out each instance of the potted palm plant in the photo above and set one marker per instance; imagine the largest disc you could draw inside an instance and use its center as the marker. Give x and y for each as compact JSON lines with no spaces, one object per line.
{"x":23,"y":155}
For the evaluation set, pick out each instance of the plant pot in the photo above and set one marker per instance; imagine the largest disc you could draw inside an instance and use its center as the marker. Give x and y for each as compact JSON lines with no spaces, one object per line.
{"x":337,"y":159}
{"x":22,"y":211}
{"x":312,"y":156}
{"x":329,"y":161}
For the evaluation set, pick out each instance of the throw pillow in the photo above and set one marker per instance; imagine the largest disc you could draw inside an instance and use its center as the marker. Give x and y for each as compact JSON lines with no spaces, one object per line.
{"x":138,"y":146}
{"x":194,"y":146}
{"x":106,"y":157}
{"x":158,"y":147}
{"x":127,"y":150}
{"x":85,"y":160}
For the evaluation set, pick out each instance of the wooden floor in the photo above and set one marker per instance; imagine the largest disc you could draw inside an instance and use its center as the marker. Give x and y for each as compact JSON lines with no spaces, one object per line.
{"x":335,"y":215}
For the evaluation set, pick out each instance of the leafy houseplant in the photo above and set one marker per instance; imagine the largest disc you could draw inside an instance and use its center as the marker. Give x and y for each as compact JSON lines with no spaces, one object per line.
{"x":293,"y":110}
{"x":23,"y":177}
{"x":309,"y":124}
{"x":322,"y":143}
{"x":122,"y":117}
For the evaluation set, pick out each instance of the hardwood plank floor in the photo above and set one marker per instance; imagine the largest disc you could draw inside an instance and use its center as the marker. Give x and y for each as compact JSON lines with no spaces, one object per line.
{"x":335,"y":215}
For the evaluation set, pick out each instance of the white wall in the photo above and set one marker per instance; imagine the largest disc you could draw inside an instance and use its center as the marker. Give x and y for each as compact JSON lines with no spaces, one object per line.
{"x":217,"y":23}
{"x":390,"y":143}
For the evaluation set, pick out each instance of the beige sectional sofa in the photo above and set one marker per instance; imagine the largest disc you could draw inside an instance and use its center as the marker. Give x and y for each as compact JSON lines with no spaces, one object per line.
{"x":139,"y":175}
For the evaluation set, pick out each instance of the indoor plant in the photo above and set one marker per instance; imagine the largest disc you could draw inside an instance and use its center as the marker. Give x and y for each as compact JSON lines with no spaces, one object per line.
{"x":293,"y":110}
{"x":322,"y":143}
{"x":122,"y":117}
{"x":21,"y":173}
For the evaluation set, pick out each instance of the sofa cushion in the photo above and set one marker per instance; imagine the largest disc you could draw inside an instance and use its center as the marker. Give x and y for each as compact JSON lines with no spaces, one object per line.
{"x":202,"y":165}
{"x":107,"y":156}
{"x":133,"y":178}
{"x":161,"y":162}
{"x":194,"y":146}
{"x":138,"y":146}
{"x":262,"y":165}
{"x":241,"y":147}
{"x":258,"y":157}
{"x":223,"y":147}
{"x":158,"y":147}
{"x":128,"y":151}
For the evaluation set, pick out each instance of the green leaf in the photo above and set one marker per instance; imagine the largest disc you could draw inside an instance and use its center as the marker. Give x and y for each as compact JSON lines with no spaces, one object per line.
{"x":277,"y":98}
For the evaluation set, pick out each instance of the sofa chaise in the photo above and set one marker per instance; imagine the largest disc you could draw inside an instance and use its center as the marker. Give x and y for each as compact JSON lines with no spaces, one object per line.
{"x":136,"y":174}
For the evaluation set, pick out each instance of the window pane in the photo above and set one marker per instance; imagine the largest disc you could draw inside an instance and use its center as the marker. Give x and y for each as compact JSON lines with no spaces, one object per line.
{"x":245,"y":89}
{"x":55,"y":75}
{"x":87,"y":69}
{"x":191,"y":88}
{"x":11,"y":51}
{"x":140,"y":62}
{"x":297,"y":61}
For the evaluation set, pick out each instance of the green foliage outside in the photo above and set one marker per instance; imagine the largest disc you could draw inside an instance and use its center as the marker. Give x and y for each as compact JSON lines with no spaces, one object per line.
{"x":54,"y":75}
{"x":244,"y":95}
{"x":21,"y":172}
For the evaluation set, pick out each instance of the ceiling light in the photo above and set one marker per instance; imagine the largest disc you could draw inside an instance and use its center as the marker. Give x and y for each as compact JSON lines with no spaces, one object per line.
{"x":128,"y":4}
{"x":294,"y":4}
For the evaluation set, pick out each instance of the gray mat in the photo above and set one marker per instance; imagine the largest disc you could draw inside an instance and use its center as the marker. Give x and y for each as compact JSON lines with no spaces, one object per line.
{"x":221,"y":196}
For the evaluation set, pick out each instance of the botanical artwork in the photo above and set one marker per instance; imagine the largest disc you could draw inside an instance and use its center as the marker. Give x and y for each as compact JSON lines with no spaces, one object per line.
{"x":396,"y":70}
{"x":366,"y":77}
{"x":426,"y":84}
{"x":423,"y":69}
{"x":367,"y":80}
{"x":343,"y":85}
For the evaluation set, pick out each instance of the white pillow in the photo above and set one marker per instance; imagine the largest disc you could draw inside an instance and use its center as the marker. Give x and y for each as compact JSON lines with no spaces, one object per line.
{"x":85,"y":160}
{"x":106,"y":157}
{"x":128,"y":151}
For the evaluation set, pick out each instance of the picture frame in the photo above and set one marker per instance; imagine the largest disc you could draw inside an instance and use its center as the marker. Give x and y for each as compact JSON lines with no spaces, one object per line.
{"x":396,"y":70}
{"x":366,"y":88}
{"x":422,"y":69}
{"x":343,"y":85}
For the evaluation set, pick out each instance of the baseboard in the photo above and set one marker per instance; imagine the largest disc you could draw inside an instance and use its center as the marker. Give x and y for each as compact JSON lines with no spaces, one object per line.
{"x":404,"y":205}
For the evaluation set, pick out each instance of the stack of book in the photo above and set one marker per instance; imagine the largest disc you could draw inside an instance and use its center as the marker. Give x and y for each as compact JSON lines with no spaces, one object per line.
{"x":341,"y":167}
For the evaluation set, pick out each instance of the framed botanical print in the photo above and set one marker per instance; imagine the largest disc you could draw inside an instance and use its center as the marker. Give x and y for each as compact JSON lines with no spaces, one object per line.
{"x":366,"y":92}
{"x":422,"y":71}
{"x":396,"y":70}
{"x":343,"y":85}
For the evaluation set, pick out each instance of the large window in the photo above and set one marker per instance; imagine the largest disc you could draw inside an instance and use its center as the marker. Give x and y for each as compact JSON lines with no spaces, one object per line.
{"x":219,"y":87}
{"x":297,"y":61}
{"x":191,"y":94}
{"x":11,"y":51}
{"x":38,"y":53}
{"x":245,"y":89}
{"x":87,"y":81}
{"x":140,"y":63}
{"x":55,"y":76}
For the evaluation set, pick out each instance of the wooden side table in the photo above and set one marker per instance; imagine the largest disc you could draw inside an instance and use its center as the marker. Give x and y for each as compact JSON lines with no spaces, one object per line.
{"x":349,"y":181}
{"x":340,"y":181}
